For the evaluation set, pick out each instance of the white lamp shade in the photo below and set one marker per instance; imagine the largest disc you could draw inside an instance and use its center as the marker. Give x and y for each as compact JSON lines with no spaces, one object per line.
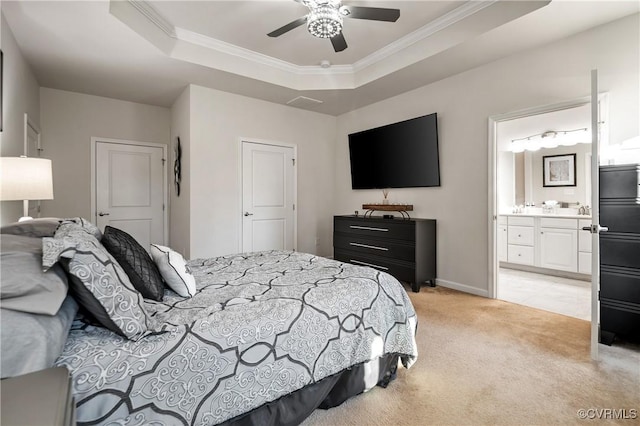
{"x":23,"y":178}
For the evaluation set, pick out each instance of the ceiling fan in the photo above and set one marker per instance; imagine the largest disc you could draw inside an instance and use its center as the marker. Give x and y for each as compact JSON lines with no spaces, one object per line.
{"x":325,"y":19}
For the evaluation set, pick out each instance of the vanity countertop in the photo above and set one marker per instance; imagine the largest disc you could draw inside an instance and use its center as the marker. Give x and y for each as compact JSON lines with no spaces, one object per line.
{"x":555,"y":215}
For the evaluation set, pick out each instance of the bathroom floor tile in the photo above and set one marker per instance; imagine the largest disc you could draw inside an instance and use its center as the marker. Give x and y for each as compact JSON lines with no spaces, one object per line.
{"x":555,"y":294}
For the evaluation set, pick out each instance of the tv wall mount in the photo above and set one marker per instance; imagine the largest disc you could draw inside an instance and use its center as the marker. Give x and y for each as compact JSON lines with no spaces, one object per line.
{"x":401,"y":208}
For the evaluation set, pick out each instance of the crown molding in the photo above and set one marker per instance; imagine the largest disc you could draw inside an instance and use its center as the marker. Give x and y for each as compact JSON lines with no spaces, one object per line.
{"x":438,"y":24}
{"x":442,"y":22}
{"x":180,"y":42}
{"x":154,"y":17}
{"x":233,"y":50}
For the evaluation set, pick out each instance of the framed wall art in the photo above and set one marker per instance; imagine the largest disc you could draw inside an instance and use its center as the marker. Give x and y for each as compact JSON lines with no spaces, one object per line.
{"x":559,"y":170}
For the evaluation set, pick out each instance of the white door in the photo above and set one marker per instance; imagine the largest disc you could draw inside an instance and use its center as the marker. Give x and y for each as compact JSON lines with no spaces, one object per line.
{"x":268,"y":197}
{"x":595,"y":215}
{"x":130,"y":190}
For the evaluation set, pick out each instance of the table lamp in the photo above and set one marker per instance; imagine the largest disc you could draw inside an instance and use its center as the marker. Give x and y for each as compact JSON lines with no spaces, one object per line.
{"x":25,"y":178}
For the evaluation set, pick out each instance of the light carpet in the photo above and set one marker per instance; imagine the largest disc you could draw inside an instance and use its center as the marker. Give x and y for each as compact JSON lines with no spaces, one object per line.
{"x":489,"y":362}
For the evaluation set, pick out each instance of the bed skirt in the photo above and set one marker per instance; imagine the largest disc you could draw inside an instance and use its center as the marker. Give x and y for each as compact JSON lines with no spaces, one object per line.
{"x":292,"y":409}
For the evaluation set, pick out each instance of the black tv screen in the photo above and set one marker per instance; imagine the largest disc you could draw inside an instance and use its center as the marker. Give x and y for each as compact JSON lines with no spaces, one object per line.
{"x":399,"y":155}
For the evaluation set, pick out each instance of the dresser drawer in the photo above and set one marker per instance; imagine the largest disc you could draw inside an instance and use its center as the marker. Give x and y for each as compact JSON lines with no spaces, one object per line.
{"x":520,"y":220}
{"x":620,"y":217}
{"x":390,"y":228}
{"x":522,"y":235}
{"x":620,"y":284}
{"x":397,"y":269}
{"x":619,"y":249}
{"x":520,"y":254}
{"x":619,"y":318}
{"x":379,"y":247}
{"x":620,"y":181}
{"x":554,"y":222}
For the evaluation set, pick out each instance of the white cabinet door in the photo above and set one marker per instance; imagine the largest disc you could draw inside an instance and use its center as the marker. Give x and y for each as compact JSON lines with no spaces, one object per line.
{"x":502,"y":243}
{"x":559,"y":249}
{"x":584,"y":263}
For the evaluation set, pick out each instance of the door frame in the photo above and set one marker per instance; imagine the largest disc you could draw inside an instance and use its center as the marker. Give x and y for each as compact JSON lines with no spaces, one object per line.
{"x":165,"y":190}
{"x":241,"y":141}
{"x":494,"y":120}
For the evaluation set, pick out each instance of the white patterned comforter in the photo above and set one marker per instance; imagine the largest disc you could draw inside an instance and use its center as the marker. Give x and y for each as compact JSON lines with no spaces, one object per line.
{"x":261,"y":326}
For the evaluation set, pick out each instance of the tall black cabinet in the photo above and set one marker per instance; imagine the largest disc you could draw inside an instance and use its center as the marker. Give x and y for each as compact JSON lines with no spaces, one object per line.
{"x":620,"y":252}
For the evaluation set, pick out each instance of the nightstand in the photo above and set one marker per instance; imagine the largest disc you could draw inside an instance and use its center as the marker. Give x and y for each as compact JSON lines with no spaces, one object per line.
{"x":42,"y":398}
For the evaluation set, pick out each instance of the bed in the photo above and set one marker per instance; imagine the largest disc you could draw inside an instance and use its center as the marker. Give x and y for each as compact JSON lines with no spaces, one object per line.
{"x":264,"y":338}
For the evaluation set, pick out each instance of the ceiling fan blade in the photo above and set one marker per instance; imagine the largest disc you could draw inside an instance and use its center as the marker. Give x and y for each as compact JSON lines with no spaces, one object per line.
{"x":373,"y":13}
{"x":290,"y":26}
{"x":339,"y":43}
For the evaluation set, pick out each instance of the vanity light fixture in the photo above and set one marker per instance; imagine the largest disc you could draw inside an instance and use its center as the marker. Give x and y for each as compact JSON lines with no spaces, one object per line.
{"x":551,"y":139}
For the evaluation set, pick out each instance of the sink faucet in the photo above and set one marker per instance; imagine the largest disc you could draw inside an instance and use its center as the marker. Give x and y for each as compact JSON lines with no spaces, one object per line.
{"x":584,"y":210}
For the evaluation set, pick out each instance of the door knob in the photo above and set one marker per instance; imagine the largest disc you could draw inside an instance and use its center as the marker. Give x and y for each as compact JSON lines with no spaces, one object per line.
{"x":595,"y":229}
{"x":248,"y":214}
{"x":103,"y":214}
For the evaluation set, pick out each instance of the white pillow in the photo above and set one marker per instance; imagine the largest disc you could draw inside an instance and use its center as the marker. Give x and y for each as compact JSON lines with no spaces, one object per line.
{"x":174,"y":270}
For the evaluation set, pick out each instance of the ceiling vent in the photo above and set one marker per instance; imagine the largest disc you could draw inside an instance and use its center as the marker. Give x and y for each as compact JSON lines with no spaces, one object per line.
{"x":303,"y":102}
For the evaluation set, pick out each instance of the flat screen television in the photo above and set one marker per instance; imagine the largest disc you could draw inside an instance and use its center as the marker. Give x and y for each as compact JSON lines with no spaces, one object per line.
{"x":399,"y":155}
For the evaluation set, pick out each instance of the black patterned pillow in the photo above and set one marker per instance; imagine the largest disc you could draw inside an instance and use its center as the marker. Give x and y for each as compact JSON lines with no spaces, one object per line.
{"x":135,"y":261}
{"x":97,"y":282}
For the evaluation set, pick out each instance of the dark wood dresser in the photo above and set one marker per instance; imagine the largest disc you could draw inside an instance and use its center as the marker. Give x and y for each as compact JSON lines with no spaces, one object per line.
{"x":405,"y":248}
{"x":620,"y":252}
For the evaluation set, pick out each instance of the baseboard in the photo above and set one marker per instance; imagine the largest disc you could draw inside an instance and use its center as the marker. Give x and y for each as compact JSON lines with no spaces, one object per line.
{"x":462,"y":287}
{"x":545,"y":271}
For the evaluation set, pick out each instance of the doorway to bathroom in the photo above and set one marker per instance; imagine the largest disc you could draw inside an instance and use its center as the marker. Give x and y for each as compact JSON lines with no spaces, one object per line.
{"x":543,"y":192}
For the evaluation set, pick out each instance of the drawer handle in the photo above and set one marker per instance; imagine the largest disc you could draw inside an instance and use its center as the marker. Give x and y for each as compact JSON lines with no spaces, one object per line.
{"x":368,"y":228}
{"x":368,"y":264}
{"x":369,"y":247}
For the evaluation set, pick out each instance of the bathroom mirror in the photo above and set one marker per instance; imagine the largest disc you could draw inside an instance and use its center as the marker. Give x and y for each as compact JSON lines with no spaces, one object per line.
{"x":520,"y":174}
{"x":529,"y":180}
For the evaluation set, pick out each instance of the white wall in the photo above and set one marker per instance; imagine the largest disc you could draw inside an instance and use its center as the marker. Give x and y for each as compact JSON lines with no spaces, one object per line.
{"x":551,"y":74}
{"x":179,"y":206}
{"x":218,"y":122}
{"x":69,"y":120}
{"x":20,"y":94}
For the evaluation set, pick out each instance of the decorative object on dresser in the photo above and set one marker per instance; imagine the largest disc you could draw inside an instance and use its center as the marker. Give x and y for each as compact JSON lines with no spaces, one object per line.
{"x":405,"y":249}
{"x":620,"y":252}
{"x":401,"y":208}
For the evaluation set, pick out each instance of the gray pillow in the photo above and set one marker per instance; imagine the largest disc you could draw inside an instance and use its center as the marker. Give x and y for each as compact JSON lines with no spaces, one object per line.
{"x":31,"y":342}
{"x":97,"y":281}
{"x":23,"y":285}
{"x":41,"y":227}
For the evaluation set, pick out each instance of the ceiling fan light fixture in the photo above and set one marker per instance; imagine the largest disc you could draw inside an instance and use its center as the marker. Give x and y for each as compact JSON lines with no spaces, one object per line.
{"x":324,"y":21}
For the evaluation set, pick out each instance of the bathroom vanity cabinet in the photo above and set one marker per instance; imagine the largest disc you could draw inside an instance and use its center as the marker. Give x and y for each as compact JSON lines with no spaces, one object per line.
{"x":553,"y":242}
